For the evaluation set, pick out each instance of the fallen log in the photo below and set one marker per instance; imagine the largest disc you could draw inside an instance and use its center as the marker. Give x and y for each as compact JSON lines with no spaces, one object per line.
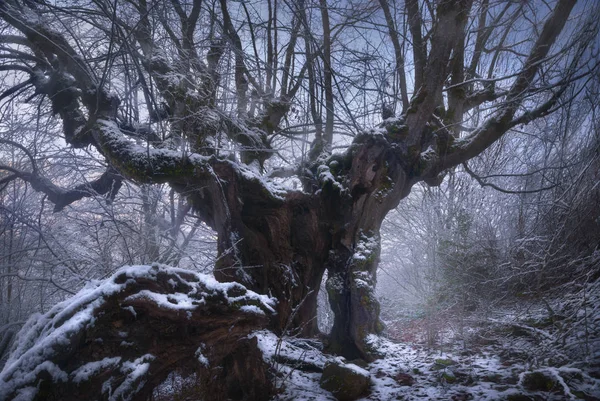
{"x":120,"y":339}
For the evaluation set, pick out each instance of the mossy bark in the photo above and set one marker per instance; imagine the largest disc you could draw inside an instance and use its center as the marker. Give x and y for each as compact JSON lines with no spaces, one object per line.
{"x":351,"y":291}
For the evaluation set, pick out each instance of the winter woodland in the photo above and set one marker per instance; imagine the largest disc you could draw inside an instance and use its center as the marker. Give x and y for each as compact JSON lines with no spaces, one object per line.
{"x":299,"y":200}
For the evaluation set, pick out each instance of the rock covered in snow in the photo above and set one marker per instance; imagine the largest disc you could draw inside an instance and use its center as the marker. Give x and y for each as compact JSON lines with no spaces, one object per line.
{"x":346,"y":381}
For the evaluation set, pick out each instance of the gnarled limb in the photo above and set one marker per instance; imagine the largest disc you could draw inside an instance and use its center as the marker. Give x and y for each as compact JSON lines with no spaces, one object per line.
{"x":398,"y":52}
{"x":451,"y":18}
{"x":107,"y":184}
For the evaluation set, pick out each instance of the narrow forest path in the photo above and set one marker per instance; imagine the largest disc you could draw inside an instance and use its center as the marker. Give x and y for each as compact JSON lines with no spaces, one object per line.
{"x":502,"y":366}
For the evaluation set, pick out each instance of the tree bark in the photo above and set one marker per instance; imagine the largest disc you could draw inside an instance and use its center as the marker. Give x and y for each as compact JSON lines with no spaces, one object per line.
{"x":282,"y":247}
{"x":279,"y":249}
{"x":328,"y":81}
{"x":376,"y":182}
{"x":122,"y":339}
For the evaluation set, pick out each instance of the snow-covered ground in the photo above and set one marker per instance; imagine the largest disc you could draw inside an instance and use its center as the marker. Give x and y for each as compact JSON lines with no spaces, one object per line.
{"x":527,"y":352}
{"x":414,"y":372}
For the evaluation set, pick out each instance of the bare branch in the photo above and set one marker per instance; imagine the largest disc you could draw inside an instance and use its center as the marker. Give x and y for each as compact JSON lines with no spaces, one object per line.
{"x":497,"y":125}
{"x":484,"y":183}
{"x":398,"y":52}
{"x":419,"y":49}
{"x":108,"y":184}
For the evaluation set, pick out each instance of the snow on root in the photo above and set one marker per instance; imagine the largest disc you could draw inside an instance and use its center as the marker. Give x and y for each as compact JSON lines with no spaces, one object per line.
{"x":119,"y":338}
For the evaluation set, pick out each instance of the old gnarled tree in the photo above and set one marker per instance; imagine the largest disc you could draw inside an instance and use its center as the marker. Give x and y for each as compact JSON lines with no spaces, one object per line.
{"x":149,"y":86}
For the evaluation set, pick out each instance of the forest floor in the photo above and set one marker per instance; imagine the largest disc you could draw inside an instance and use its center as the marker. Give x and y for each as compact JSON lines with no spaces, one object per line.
{"x":512,"y":360}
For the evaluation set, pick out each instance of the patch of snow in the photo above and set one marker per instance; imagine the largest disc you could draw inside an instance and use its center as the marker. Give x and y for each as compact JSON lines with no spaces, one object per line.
{"x":130,"y":309}
{"x":175,"y":301}
{"x":135,"y":371}
{"x":200,"y":356}
{"x":289,"y":274}
{"x":325,"y":176}
{"x":84,"y":372}
{"x":362,"y":279}
{"x":275,"y":190}
{"x":429,"y":153}
{"x":366,"y":247}
{"x":357,"y":369}
{"x":335,"y":283}
{"x":26,"y":394}
{"x":252,"y":309}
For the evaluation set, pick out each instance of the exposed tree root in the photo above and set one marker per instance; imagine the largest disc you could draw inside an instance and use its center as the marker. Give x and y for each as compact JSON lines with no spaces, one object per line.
{"x":121,"y":339}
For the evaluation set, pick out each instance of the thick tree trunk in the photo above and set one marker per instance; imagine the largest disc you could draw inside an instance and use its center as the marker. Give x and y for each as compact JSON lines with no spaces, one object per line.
{"x":278,"y":249}
{"x":282,"y":247}
{"x":377,"y":180}
{"x":350,"y":287}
